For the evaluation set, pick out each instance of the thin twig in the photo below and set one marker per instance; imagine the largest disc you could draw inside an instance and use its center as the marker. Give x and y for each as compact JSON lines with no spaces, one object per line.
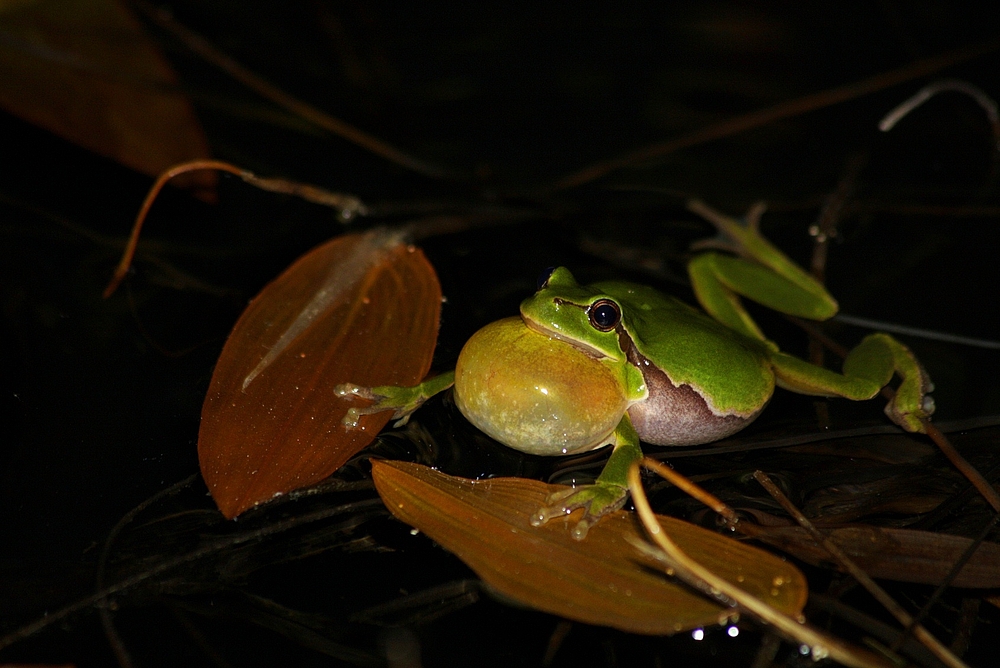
{"x":919,"y":332}
{"x":266,"y":89}
{"x":26,"y":631}
{"x":822,"y":231}
{"x":117,"y":645}
{"x":825,"y":227}
{"x":696,"y":575}
{"x":779,"y":111}
{"x":346,"y":205}
{"x":880,"y":595}
{"x":694,"y":491}
{"x":964,"y":467}
{"x":940,"y":440}
{"x":950,"y":577}
{"x":987,"y":103}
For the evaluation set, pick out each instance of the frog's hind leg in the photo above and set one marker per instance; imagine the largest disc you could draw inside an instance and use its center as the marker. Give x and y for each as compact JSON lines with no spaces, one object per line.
{"x":759,"y":271}
{"x":868,"y":368}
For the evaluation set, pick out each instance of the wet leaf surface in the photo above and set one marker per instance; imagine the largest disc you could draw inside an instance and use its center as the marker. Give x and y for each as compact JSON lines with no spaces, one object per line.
{"x":897,"y":554}
{"x":362,"y":308}
{"x":599,"y":580}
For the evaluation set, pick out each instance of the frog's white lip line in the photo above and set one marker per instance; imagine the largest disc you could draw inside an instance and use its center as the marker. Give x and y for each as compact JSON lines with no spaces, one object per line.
{"x":534,"y":326}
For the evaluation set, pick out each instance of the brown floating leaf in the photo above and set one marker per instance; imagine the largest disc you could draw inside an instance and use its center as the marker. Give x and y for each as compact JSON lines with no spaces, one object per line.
{"x":85,"y":70}
{"x":896,"y":554}
{"x":600,"y":580}
{"x":360,"y":308}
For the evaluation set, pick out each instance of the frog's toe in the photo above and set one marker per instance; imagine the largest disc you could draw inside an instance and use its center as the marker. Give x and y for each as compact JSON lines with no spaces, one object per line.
{"x":911,"y":415}
{"x":352,"y":417}
{"x":579,"y":532}
{"x":554,"y":508}
{"x":597,"y":500}
{"x":352,"y":390}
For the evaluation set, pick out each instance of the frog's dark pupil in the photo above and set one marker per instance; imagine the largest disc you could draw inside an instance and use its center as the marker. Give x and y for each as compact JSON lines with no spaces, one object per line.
{"x":605,"y":315}
{"x":543,"y":278}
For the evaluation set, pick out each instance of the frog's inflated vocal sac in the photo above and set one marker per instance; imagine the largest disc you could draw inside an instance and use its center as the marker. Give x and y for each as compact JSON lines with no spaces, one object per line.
{"x":614,"y":363}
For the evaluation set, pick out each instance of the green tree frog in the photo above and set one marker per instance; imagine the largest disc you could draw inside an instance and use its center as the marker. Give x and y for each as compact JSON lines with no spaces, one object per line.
{"x":617,"y":363}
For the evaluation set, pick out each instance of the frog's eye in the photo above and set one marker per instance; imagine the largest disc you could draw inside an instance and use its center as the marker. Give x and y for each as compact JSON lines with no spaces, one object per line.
{"x":604,"y":315}
{"x":543,"y":278}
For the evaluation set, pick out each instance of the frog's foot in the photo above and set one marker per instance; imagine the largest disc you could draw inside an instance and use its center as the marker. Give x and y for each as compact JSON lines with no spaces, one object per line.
{"x":402,"y":401}
{"x":597,"y":500}
{"x":912,"y":404}
{"x":731,"y":233}
{"x":396,"y":399}
{"x":876,"y":359}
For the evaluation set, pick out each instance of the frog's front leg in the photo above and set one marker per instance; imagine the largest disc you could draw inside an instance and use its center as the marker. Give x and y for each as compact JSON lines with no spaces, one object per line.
{"x":403,"y":401}
{"x":606,"y":495}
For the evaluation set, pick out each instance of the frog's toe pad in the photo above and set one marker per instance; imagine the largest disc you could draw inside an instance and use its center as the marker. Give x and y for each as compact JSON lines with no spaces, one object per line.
{"x":352,"y":390}
{"x":352,"y":417}
{"x":910,"y":416}
{"x":553,"y":509}
{"x":597,"y":500}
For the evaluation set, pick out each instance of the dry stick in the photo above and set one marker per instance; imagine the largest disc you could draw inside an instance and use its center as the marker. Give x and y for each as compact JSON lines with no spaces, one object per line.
{"x":978,"y":481}
{"x":347,"y":205}
{"x":261,"y":86}
{"x":822,"y":231}
{"x":940,"y":440}
{"x":897,"y":611}
{"x":779,"y":111}
{"x":988,"y":105}
{"x":956,"y":568}
{"x":117,"y":645}
{"x":981,"y":484}
{"x":733,"y":521}
{"x":825,"y":227}
{"x":369,"y":505}
{"x":694,"y":491}
{"x":972,"y":211}
{"x":696,"y":575}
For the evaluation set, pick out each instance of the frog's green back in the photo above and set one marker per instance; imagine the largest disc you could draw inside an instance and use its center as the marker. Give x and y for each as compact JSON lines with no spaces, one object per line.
{"x":691,"y":348}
